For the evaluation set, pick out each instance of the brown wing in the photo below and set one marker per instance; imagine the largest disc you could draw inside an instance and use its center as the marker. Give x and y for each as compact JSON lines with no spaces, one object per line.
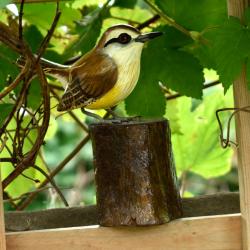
{"x":90,"y":78}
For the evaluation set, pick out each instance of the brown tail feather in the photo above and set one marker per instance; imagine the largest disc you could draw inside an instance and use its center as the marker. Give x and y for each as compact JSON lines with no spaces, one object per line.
{"x":46,"y":64}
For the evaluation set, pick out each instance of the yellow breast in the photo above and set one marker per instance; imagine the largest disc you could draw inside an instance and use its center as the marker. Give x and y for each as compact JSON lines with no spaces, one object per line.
{"x":128,"y":74}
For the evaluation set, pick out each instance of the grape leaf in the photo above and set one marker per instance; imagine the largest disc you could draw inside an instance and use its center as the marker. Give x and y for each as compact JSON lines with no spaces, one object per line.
{"x":88,"y":30}
{"x":136,"y":14}
{"x":8,"y":68}
{"x":231,"y":48}
{"x":5,"y":109}
{"x":33,"y":36}
{"x":197,"y":148}
{"x":162,"y":60}
{"x":125,"y":3}
{"x":195,"y":15}
{"x":34,"y":94}
{"x":183,"y":73}
{"x":42,"y":15}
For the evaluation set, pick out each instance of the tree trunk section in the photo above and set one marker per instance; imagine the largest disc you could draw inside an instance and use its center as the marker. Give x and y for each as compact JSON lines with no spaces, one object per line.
{"x":135,"y":173}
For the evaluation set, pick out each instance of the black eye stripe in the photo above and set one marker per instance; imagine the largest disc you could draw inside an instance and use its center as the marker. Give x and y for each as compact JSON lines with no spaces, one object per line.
{"x":123,"y":38}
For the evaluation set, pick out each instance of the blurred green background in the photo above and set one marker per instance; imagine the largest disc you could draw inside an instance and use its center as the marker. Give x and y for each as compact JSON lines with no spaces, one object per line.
{"x":179,"y":62}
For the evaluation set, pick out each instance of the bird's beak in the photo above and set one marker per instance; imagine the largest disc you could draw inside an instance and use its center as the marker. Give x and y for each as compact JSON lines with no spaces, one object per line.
{"x":147,"y":36}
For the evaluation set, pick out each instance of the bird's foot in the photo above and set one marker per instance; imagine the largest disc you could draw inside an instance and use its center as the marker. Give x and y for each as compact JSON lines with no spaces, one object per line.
{"x":93,"y":115}
{"x":121,"y":119}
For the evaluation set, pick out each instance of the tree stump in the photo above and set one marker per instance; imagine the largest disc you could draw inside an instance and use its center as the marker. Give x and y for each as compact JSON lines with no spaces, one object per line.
{"x":135,"y":173}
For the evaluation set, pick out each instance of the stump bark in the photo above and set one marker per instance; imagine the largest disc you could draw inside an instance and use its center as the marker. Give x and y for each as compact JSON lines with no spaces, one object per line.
{"x":135,"y":173}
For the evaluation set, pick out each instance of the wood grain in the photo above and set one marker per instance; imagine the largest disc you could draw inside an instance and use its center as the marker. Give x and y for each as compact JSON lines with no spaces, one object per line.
{"x":206,"y":233}
{"x":242,"y":99}
{"x":221,"y":203}
{"x":2,"y":228}
{"x":135,"y":173}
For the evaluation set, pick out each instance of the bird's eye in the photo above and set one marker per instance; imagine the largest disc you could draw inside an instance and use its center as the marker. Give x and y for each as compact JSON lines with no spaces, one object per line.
{"x":124,"y":38}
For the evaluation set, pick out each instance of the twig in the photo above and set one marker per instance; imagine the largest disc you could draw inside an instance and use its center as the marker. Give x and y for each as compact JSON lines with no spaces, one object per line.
{"x":168,"y":19}
{"x":226,"y":142}
{"x":9,"y":38}
{"x":50,"y":179}
{"x":46,"y":40}
{"x":208,"y":85}
{"x":4,"y":142}
{"x":20,"y":18}
{"x":28,"y":193}
{"x":17,"y":103}
{"x":29,"y":159}
{"x":5,"y":159}
{"x":71,"y":113}
{"x":18,"y":79}
{"x":125,"y":19}
{"x":148,"y":22}
{"x":55,"y":171}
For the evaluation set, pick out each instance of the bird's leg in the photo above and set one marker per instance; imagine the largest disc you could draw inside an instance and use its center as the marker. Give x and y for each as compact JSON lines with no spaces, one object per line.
{"x":111,"y":111}
{"x":91,"y":114}
{"x":121,"y":118}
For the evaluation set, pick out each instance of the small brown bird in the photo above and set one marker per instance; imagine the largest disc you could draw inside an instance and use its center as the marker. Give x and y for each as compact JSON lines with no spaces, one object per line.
{"x":104,"y":76}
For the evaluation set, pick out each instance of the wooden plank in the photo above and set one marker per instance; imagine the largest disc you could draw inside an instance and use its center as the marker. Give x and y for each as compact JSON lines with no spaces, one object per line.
{"x":242,"y":99}
{"x":206,"y":233}
{"x":216,"y":204}
{"x":2,"y":229}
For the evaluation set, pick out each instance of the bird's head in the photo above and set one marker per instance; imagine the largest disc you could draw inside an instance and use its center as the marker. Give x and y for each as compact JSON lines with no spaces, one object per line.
{"x":121,"y":40}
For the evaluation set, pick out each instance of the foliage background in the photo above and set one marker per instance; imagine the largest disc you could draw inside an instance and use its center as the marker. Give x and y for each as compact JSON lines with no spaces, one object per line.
{"x":200,"y":45}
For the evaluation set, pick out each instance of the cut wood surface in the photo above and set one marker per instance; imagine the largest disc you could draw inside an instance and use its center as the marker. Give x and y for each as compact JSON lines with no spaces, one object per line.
{"x":242,"y":99}
{"x":2,"y":229}
{"x":203,"y":233}
{"x":224,"y":203}
{"x":135,"y":177}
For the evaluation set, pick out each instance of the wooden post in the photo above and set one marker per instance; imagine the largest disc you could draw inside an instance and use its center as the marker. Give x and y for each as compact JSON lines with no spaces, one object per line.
{"x":2,"y":227}
{"x":135,"y":173}
{"x":242,"y":99}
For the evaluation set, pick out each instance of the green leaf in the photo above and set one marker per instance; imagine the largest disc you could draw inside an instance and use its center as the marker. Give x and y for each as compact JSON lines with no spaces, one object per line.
{"x":195,"y":15}
{"x":42,"y":15}
{"x":88,"y":30}
{"x":5,"y":109}
{"x":125,"y":3}
{"x":204,"y":54}
{"x":183,"y":73}
{"x":34,"y":94}
{"x":33,"y":36}
{"x":3,"y":3}
{"x":197,"y":148}
{"x":231,"y":48}
{"x":163,"y":61}
{"x":8,"y":68}
{"x":136,"y":14}
{"x":147,"y":99}
{"x":177,"y":69}
{"x":247,"y":16}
